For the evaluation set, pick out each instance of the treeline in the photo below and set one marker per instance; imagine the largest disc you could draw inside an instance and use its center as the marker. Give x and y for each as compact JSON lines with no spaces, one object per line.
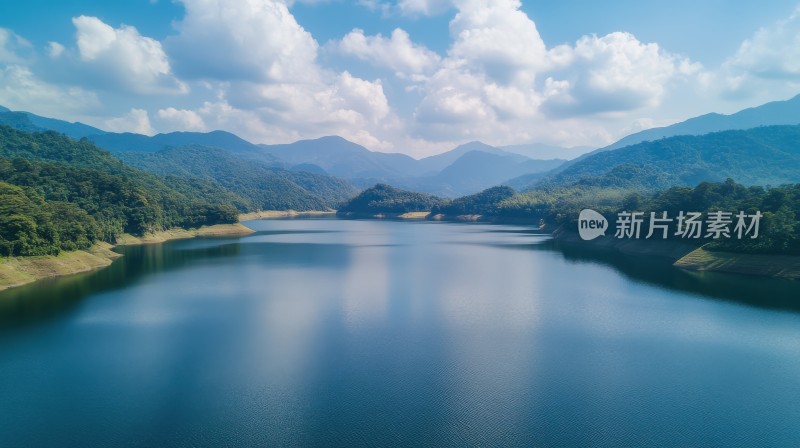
{"x":487,"y":202}
{"x":779,"y":226}
{"x":383,"y":198}
{"x":61,"y":194}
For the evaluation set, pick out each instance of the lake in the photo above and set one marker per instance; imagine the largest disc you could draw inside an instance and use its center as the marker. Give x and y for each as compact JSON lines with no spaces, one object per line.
{"x":327,"y":332}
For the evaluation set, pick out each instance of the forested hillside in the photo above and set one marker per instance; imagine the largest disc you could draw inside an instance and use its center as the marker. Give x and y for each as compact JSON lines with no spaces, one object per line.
{"x":383,"y":198}
{"x":62,"y":194}
{"x":767,"y":155}
{"x":780,"y":207}
{"x":261,"y":187}
{"x":486,"y":202}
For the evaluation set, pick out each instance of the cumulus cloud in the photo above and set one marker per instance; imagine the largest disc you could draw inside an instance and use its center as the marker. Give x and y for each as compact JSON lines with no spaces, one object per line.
{"x":181,"y":119}
{"x":269,"y":85}
{"x":254,"y":40}
{"x":497,"y":39}
{"x":396,"y":52}
{"x":123,"y":58}
{"x":340,"y":106}
{"x":615,"y":72}
{"x":21,"y":89}
{"x":136,"y":121}
{"x":486,"y":82}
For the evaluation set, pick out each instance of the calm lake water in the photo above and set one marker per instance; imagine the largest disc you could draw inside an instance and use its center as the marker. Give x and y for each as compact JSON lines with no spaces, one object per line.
{"x":368,"y":333}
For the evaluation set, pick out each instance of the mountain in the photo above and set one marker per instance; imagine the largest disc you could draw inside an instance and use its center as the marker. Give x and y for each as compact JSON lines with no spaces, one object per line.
{"x":382,"y":199}
{"x":454,"y":173}
{"x":263,"y":186}
{"x":768,"y":155}
{"x":126,"y":142}
{"x":26,"y":121}
{"x":437,"y":163}
{"x":773,"y":113}
{"x":543,"y":151}
{"x":478,"y":170}
{"x":343,"y":158}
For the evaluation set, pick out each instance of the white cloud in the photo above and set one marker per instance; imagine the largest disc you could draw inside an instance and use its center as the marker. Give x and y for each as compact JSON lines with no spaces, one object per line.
{"x":55,"y":49}
{"x":397,"y":52}
{"x":20,"y":89}
{"x":615,"y":72}
{"x":11,"y":47}
{"x":773,"y":52}
{"x":497,"y":39}
{"x":252,"y":40}
{"x":500,"y":82}
{"x":486,"y":83}
{"x":269,"y":86}
{"x":122,"y":58}
{"x":766,"y":66}
{"x":181,"y":119}
{"x":136,"y":121}
{"x":423,"y":7}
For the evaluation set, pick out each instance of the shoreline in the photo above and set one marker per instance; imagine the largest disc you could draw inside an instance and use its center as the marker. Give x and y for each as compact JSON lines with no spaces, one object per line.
{"x":18,"y":271}
{"x":397,"y":216}
{"x":694,"y":258}
{"x":277,"y":214}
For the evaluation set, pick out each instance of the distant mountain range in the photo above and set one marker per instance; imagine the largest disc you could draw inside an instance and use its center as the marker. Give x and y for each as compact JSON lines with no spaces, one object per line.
{"x":263,"y":187}
{"x":715,"y":161}
{"x":544,"y":151}
{"x":343,"y":158}
{"x":769,"y":114}
{"x":26,"y":121}
{"x":466,"y":169}
{"x":766,"y":155}
{"x":753,"y":156}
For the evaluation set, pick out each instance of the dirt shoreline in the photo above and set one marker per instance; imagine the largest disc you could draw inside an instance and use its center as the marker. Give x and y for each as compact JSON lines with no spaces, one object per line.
{"x":276,"y":214}
{"x":18,"y":271}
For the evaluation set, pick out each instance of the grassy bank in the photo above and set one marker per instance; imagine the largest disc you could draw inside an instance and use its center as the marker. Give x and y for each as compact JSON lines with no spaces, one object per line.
{"x":275,"y":214}
{"x":17,"y":271}
{"x":780,"y":266}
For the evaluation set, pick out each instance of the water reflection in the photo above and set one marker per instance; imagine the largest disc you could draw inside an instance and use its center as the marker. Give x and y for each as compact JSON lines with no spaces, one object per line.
{"x":755,"y":291}
{"x":343,"y":333}
{"x":47,"y":298}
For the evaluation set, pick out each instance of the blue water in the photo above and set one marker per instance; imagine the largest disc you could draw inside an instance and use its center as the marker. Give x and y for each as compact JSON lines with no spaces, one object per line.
{"x":372,"y":333}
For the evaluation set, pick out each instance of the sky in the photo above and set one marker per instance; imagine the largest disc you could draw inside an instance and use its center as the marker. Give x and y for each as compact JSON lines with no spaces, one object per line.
{"x":411,"y":76}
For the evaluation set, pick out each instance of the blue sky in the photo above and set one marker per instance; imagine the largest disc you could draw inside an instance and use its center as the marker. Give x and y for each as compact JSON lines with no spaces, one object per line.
{"x":413,"y":76}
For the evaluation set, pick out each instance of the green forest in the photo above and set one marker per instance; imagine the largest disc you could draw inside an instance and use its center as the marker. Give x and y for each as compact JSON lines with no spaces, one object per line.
{"x":384,"y":198}
{"x":780,"y":207}
{"x":767,"y":155}
{"x":58,"y":194}
{"x":250,"y":184}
